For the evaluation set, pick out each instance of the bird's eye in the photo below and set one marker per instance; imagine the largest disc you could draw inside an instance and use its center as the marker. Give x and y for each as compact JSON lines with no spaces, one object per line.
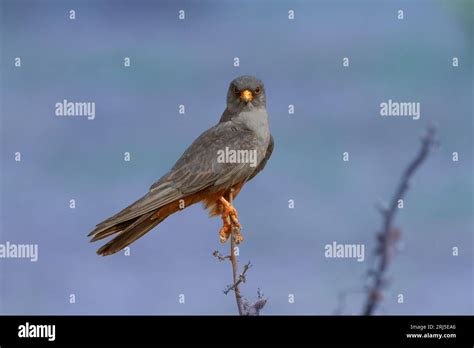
{"x":235,"y":90}
{"x":258,"y":90}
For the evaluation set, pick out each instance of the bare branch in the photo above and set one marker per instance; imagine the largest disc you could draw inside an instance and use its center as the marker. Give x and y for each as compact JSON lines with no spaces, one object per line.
{"x":253,"y":308}
{"x":243,"y":305}
{"x":233,"y":260}
{"x":219,"y":256}
{"x":240,"y":279}
{"x":389,"y":235}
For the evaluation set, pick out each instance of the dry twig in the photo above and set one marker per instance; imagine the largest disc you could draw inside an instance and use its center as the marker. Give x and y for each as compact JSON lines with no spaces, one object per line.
{"x":389,"y":235}
{"x":240,"y":279}
{"x":243,"y":305}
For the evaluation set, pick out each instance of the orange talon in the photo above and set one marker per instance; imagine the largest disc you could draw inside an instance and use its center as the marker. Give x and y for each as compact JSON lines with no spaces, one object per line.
{"x":229,"y":214}
{"x":230,"y":211}
{"x":225,"y":231}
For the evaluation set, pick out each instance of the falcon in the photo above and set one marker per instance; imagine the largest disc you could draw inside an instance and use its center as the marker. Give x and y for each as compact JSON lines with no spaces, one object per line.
{"x":200,"y":174}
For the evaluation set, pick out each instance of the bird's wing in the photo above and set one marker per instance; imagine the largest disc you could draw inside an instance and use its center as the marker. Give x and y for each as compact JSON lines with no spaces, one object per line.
{"x":197,"y":169}
{"x":262,"y":164}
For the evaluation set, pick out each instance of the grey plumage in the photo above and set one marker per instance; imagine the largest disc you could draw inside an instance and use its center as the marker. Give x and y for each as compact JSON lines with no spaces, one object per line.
{"x":243,"y":126}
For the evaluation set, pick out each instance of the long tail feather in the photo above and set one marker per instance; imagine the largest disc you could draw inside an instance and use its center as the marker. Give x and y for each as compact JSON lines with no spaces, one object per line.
{"x":129,"y":231}
{"x":111,"y":230}
{"x":129,"y":235}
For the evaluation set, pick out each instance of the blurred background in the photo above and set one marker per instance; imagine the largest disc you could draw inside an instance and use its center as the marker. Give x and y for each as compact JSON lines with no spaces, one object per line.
{"x":190,"y":62}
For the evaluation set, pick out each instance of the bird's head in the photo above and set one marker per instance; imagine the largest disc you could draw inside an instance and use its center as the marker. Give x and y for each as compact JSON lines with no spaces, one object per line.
{"x":246,"y":92}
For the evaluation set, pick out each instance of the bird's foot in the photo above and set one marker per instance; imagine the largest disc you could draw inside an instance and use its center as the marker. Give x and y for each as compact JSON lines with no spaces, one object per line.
{"x":225,"y":230}
{"x":231,"y":223}
{"x":229,"y":211}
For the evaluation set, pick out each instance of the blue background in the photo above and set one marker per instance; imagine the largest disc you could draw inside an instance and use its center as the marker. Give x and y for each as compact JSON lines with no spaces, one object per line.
{"x":190,"y":62}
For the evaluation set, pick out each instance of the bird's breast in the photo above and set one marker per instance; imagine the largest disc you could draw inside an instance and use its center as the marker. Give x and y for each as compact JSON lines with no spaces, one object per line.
{"x":256,"y":120}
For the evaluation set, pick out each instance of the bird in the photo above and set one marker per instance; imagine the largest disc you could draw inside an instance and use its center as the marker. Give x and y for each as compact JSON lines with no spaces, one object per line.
{"x":202,"y":173}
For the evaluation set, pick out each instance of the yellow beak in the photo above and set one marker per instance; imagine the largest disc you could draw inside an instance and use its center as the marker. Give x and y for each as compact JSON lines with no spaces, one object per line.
{"x":246,"y":96}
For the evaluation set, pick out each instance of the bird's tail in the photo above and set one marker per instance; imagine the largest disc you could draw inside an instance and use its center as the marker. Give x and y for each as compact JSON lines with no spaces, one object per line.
{"x":129,"y":231}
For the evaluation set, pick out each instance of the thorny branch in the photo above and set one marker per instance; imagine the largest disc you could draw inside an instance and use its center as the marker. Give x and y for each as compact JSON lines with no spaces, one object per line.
{"x":243,"y":305}
{"x":254,"y":308}
{"x":241,"y":279}
{"x":389,"y":235}
{"x":235,"y":265}
{"x":219,"y":256}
